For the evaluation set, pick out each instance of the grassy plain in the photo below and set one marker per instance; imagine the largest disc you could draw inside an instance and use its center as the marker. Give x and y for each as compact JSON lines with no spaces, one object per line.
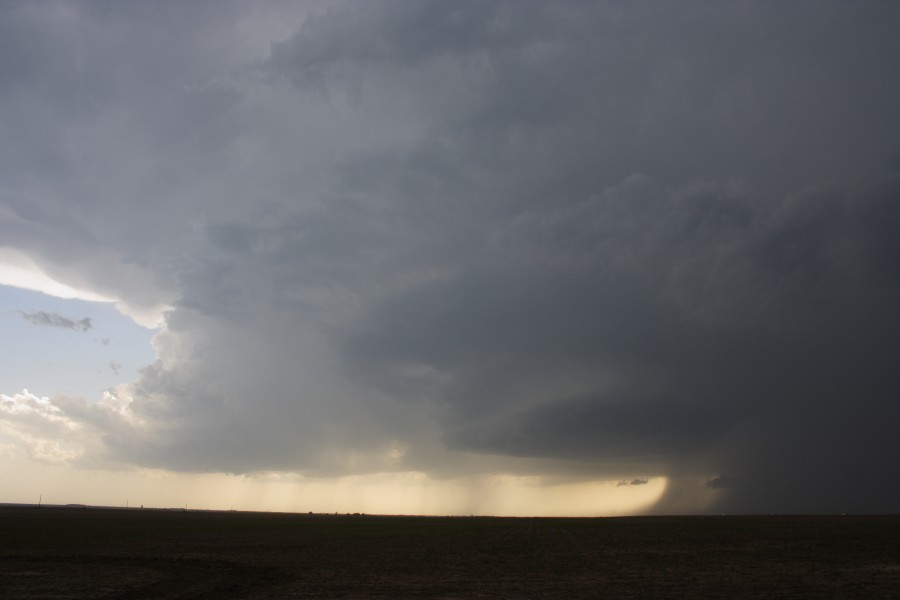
{"x":68,"y":553}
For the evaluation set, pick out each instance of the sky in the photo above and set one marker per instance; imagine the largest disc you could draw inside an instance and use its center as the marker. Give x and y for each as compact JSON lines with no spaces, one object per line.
{"x":401,"y":256}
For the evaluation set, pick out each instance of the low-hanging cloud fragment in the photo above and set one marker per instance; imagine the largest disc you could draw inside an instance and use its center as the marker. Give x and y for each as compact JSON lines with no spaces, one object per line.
{"x":55,"y":320}
{"x":614,"y":240}
{"x":633,"y":482}
{"x":721,"y":482}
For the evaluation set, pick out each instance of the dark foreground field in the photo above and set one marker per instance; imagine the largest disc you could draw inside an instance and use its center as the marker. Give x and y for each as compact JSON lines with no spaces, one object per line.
{"x":93,"y":553}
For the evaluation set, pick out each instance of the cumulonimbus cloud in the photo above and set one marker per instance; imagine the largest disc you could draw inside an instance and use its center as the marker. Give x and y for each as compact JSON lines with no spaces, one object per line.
{"x":614,"y":240}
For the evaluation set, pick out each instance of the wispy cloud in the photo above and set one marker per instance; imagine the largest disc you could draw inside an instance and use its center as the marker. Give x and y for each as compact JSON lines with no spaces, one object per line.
{"x":54,"y":320}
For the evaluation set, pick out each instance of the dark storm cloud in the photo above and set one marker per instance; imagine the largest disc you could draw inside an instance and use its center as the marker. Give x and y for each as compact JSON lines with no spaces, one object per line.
{"x":655,"y":239}
{"x":686,"y":309}
{"x":54,"y":320}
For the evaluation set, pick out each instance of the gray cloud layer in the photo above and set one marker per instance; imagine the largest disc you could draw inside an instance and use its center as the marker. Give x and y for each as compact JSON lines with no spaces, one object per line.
{"x":621,"y":240}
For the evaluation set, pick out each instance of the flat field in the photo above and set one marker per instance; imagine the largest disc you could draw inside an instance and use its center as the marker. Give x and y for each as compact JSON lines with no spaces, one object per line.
{"x":67,"y":553}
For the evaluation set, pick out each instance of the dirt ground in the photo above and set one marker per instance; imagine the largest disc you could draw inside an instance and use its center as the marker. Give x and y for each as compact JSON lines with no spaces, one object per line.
{"x":69,"y":553}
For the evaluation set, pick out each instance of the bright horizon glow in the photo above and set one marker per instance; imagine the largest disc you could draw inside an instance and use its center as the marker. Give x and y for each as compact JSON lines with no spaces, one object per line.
{"x":49,"y":470}
{"x":404,"y":493}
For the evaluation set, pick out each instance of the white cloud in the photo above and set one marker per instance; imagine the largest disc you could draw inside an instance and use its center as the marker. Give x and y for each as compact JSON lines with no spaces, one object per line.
{"x":41,"y":428}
